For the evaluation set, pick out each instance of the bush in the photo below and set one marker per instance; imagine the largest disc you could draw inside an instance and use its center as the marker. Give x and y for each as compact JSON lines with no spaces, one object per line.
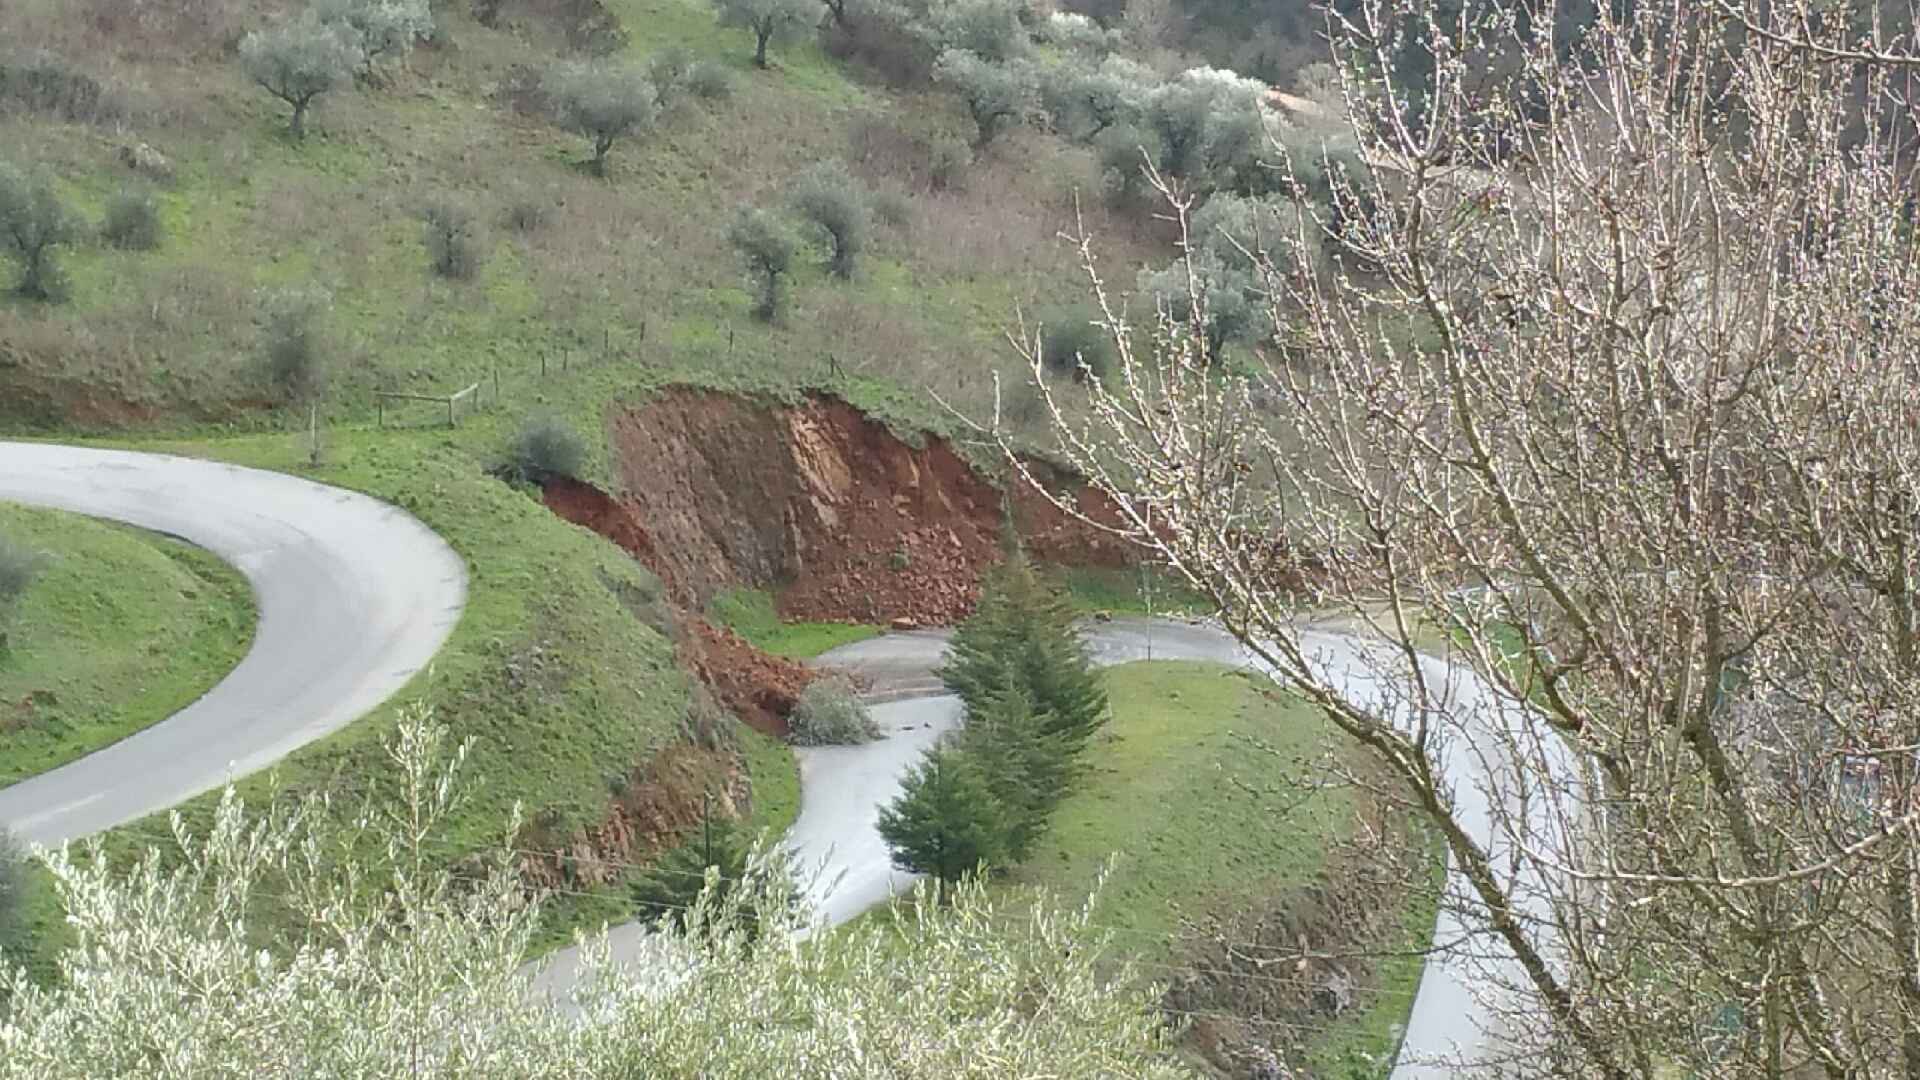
{"x":44,"y":83}
{"x":34,"y":224}
{"x":709,"y":81}
{"x":528,"y":214}
{"x":830,"y":198}
{"x":670,"y":887}
{"x":132,"y":222}
{"x":294,"y":354}
{"x":830,"y":714}
{"x":892,"y":207}
{"x":667,"y":70}
{"x":948,"y":159}
{"x":1073,"y":343}
{"x":454,"y":243}
{"x":544,"y":449}
{"x":18,"y":568}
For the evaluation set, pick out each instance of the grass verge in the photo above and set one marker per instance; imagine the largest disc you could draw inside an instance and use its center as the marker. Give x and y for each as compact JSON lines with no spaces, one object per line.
{"x":751,"y":614}
{"x":121,"y":629}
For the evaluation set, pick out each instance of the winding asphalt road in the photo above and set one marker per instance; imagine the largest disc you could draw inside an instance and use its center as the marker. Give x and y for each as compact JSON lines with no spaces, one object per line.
{"x":354,"y":597}
{"x":1454,"y":1017}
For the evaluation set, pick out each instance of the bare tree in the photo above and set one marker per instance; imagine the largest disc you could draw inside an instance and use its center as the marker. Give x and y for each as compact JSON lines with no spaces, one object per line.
{"x":1622,"y":411}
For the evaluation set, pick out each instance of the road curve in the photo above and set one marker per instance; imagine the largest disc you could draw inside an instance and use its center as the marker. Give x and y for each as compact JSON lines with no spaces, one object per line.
{"x":1454,"y":1017}
{"x":354,"y":597}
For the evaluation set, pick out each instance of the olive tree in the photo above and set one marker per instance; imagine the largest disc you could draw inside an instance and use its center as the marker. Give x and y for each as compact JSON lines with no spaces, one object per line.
{"x":830,"y":198}
{"x":378,"y":28}
{"x":765,"y":246}
{"x":1084,"y":100}
{"x":604,"y":102}
{"x":402,"y":968}
{"x":1211,"y":130}
{"x":34,"y":225}
{"x":1621,"y":421}
{"x":995,"y":94}
{"x":298,"y":61}
{"x":768,"y":20}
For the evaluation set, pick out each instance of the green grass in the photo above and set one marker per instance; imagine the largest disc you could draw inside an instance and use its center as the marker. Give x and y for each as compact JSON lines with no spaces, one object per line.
{"x":121,"y":629}
{"x":750,"y":613}
{"x":1185,"y":803}
{"x":561,"y":687}
{"x":1182,"y":807}
{"x":1146,"y":591}
{"x":775,"y":775}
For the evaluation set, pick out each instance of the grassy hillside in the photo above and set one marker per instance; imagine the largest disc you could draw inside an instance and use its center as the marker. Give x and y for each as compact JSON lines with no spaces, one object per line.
{"x":120,"y":629}
{"x":150,"y":338}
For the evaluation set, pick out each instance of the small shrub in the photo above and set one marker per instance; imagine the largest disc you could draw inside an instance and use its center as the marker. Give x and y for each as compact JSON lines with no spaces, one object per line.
{"x":528,"y":214}
{"x":709,"y":81}
{"x":893,"y":208}
{"x":454,"y":243}
{"x":132,"y":222}
{"x":667,"y":71}
{"x":1072,"y":342}
{"x":294,"y":353}
{"x":544,"y":449}
{"x":829,"y":713}
{"x":18,"y":568}
{"x":948,"y":159}
{"x":44,"y":83}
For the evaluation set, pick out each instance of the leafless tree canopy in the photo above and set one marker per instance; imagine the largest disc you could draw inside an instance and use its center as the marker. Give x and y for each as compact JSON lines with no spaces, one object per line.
{"x":1612,"y":392}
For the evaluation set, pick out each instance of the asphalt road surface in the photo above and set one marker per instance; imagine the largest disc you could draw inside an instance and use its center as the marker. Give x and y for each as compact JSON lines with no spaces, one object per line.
{"x":354,"y":598}
{"x":843,"y":789}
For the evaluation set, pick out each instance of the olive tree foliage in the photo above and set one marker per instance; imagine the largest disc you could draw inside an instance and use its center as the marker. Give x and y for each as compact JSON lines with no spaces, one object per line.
{"x":299,"y":60}
{"x":1085,"y":99}
{"x":34,"y":226}
{"x":398,"y":968}
{"x":378,"y":28}
{"x":996,"y":95}
{"x":765,"y":246}
{"x":769,"y":21}
{"x":1624,"y":412}
{"x":832,"y":200}
{"x":605,"y":102}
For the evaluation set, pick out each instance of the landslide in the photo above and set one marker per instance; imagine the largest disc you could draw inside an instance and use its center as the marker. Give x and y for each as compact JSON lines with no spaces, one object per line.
{"x":838,"y":515}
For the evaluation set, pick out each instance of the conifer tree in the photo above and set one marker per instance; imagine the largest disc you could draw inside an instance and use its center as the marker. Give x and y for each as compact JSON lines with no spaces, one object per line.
{"x":946,"y":821}
{"x":1021,"y":637}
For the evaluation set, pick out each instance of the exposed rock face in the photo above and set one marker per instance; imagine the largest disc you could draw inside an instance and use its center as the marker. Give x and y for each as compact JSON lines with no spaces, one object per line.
{"x":840,"y":515}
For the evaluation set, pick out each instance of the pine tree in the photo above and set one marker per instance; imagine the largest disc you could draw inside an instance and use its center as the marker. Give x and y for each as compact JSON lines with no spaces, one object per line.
{"x":946,"y":821}
{"x":1027,"y":768}
{"x":675,"y":880}
{"x":1021,"y":637}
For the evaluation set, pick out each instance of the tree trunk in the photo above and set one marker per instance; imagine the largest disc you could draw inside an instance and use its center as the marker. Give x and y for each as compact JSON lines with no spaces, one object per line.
{"x":760,"y":50}
{"x":297,"y":127}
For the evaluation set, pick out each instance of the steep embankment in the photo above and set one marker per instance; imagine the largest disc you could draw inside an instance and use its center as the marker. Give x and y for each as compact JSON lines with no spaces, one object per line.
{"x":834,"y":510}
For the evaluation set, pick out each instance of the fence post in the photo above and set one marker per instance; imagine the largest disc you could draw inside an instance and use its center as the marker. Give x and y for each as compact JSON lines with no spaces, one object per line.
{"x":452,"y":420}
{"x":496,"y":384}
{"x":382,"y":399}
